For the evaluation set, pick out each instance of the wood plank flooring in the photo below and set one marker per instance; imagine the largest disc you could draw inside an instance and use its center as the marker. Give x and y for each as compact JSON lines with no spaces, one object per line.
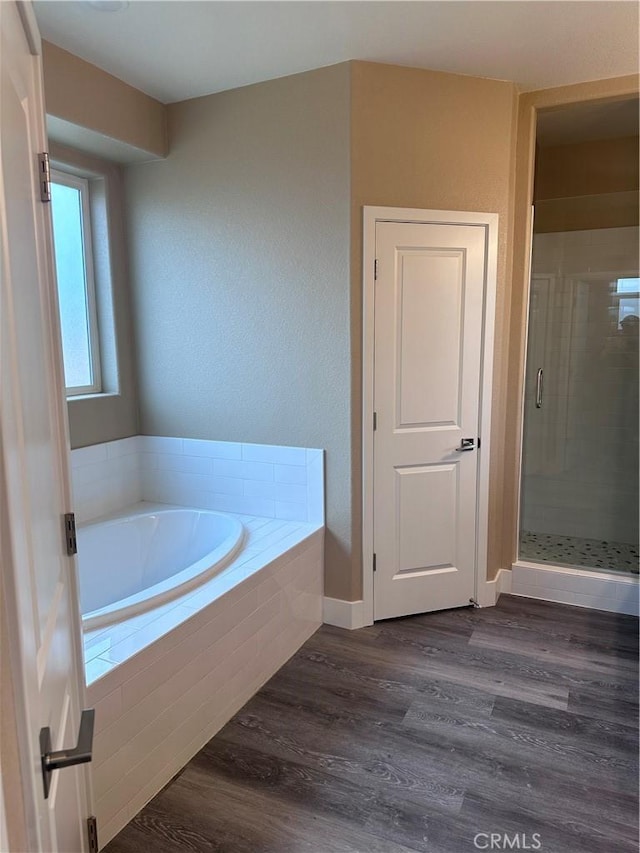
{"x":418,"y":734}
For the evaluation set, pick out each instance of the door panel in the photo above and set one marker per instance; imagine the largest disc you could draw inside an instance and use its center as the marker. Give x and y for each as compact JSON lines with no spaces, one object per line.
{"x":429,"y":297}
{"x":427,"y":497}
{"x":44,"y":620}
{"x":428,"y":397}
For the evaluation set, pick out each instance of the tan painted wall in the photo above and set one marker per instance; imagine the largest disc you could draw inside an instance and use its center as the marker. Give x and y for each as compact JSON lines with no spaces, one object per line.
{"x":239,"y":245}
{"x":587,"y":185}
{"x":273,"y":191}
{"x":86,"y":96}
{"x":112,"y":415}
{"x":599,"y":90}
{"x":427,"y":139}
{"x":587,"y":168}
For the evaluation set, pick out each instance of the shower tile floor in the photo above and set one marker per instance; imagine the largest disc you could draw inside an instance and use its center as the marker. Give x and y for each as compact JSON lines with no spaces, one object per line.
{"x":575,"y":551}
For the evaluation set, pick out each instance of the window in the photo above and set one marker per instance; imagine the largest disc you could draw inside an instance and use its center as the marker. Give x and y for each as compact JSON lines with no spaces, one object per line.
{"x":76,"y":288}
{"x":627,"y":292}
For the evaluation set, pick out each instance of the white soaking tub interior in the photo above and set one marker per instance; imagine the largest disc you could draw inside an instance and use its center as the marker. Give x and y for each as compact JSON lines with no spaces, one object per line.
{"x":131,"y":564}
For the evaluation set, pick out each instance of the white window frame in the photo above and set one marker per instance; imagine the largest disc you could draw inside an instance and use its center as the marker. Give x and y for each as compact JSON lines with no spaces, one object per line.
{"x":82,"y":185}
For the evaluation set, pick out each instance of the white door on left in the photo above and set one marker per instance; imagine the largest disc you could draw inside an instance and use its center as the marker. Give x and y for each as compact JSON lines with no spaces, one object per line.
{"x":38,"y":577}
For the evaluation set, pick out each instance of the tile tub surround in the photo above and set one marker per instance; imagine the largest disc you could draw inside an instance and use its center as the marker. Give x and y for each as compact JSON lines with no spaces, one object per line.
{"x":165,"y":682}
{"x":251,"y":479}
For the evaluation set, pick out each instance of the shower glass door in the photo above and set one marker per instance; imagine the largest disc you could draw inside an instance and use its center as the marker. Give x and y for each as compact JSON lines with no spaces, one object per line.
{"x":579,"y":493}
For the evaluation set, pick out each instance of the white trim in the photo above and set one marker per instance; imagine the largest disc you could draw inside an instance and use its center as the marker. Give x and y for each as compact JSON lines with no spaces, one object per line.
{"x":30,"y":24}
{"x":490,"y":591}
{"x":16,"y":591}
{"x":4,"y":831}
{"x":615,"y":593}
{"x":81,"y":184}
{"x":343,"y":614}
{"x":372,"y":215}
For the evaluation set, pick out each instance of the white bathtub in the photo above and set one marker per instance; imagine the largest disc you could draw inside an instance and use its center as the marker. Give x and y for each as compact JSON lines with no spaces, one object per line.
{"x":131,"y":564}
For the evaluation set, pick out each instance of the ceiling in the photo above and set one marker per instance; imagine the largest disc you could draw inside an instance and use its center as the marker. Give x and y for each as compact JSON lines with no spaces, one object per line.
{"x":179,"y":50}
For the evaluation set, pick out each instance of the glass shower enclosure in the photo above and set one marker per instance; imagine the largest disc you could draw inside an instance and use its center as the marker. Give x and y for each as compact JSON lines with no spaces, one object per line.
{"x":579,"y":482}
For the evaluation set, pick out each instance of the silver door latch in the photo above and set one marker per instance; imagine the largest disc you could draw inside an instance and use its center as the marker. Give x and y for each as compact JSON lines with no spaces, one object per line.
{"x":80,"y":754}
{"x":466,"y":444}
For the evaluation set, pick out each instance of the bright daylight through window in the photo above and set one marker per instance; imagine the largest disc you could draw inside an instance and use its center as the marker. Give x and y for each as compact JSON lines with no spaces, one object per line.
{"x":76,"y":289}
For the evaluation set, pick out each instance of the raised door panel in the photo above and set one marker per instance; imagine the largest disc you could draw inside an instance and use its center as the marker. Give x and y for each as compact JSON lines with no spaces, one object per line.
{"x":426,"y":497}
{"x":429,"y":303}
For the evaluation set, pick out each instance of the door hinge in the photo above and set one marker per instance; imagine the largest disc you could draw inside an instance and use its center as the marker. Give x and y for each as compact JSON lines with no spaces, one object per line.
{"x":375,"y":270}
{"x":375,"y":421}
{"x":44,"y":175}
{"x":70,"y":533}
{"x":375,"y":568}
{"x":92,"y":832}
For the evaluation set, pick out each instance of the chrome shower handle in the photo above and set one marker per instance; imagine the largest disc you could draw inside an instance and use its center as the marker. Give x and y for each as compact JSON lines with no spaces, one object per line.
{"x":539,"y":380}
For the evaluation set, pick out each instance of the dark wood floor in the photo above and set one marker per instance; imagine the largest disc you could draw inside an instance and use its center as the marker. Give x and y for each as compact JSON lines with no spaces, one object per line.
{"x":419,"y":733}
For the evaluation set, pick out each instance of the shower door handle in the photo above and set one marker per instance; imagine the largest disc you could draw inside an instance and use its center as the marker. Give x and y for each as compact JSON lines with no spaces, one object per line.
{"x":539,"y":380}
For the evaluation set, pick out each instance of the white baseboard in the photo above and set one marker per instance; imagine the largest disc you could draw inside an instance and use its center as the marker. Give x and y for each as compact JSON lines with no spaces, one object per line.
{"x":350,"y":614}
{"x":343,"y":614}
{"x":489,"y":591}
{"x":580,"y":587}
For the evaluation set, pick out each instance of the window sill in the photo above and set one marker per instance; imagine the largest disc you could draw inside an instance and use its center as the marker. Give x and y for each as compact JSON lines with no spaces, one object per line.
{"x":98,"y":395}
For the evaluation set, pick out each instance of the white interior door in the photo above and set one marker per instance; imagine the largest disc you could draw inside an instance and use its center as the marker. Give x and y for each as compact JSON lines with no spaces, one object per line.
{"x":428,"y":348}
{"x":38,"y":577}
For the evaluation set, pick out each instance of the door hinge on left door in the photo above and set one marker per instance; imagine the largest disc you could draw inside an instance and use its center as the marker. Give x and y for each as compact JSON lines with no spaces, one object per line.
{"x":70,"y":533}
{"x":44,"y":176}
{"x":92,"y":832}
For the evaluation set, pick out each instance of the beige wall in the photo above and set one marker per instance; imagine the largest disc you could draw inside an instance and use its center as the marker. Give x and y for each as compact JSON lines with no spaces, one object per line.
{"x":239,"y":246}
{"x":239,"y":259}
{"x":113,"y":414}
{"x":83,"y":95}
{"x":587,"y":168}
{"x":247,"y":325}
{"x":587,"y":185}
{"x":431,"y":140}
{"x":529,"y":103}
